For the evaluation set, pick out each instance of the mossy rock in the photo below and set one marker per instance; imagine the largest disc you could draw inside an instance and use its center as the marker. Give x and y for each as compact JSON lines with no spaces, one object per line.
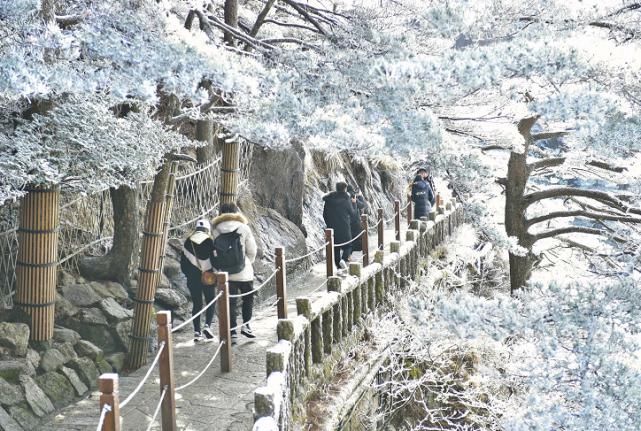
{"x":57,"y":387}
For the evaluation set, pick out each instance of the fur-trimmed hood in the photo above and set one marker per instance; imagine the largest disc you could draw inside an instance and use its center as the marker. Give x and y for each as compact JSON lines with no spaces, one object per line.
{"x":237,"y":217}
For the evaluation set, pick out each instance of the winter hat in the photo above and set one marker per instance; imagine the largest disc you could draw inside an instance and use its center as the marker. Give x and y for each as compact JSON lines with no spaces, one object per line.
{"x":203,"y":223}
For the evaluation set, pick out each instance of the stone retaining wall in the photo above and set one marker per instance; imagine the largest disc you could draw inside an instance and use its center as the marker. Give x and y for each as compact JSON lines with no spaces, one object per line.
{"x":321,"y":324}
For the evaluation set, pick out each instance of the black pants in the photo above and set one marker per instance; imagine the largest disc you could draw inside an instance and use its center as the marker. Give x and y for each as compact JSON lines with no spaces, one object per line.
{"x":236,"y":288}
{"x":197,"y":291}
{"x":347,"y":252}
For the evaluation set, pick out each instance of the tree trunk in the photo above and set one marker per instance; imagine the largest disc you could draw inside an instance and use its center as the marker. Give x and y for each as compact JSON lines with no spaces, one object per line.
{"x":151,"y":255}
{"x":116,"y":265}
{"x":205,"y":133}
{"x":231,"y":18}
{"x":515,"y":222}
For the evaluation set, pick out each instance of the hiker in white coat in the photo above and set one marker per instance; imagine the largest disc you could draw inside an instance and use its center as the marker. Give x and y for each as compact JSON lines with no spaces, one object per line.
{"x":230,"y":231}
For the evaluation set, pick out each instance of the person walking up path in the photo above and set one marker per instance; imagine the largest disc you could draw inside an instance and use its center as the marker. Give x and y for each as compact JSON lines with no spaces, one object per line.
{"x":235,"y":252}
{"x":422,"y":194}
{"x":339,"y":212}
{"x":195,"y":259}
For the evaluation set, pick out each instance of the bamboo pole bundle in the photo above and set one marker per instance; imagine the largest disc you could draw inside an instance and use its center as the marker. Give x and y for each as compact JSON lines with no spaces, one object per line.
{"x":230,"y":171}
{"x":37,"y":261}
{"x":151,"y":252}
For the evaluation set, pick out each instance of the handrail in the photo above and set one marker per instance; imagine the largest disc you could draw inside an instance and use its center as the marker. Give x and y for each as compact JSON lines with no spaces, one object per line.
{"x":295,"y":259}
{"x":153,"y":418}
{"x":182,"y":325}
{"x":144,"y":379}
{"x":351,"y":240}
{"x":239,"y":295}
{"x":103,"y":413}
{"x":191,"y":382}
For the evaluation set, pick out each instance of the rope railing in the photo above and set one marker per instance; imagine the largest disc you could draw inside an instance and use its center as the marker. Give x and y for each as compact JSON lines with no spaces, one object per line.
{"x":240,"y":295}
{"x":296,"y":259}
{"x":391,"y":219}
{"x":375,"y":225}
{"x":103,"y":413}
{"x":406,"y":205}
{"x":144,"y":379}
{"x":197,"y":315}
{"x":351,"y":240}
{"x":157,"y":410}
{"x":320,"y":286}
{"x":195,"y":379}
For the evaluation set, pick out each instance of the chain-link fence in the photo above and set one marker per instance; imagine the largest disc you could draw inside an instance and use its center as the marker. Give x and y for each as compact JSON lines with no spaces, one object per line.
{"x":86,"y":222}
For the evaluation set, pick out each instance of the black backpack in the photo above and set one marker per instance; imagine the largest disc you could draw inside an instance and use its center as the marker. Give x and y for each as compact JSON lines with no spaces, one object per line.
{"x":228,"y":253}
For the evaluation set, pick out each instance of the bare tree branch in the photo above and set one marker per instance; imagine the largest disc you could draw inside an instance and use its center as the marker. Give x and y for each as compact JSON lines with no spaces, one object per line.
{"x":547,"y":135}
{"x":606,"y":166}
{"x":569,"y":229}
{"x":306,"y":15}
{"x":287,"y":24}
{"x":68,"y":20}
{"x":602,"y":197}
{"x":547,"y":163}
{"x":254,"y":43}
{"x":582,"y":213}
{"x":261,"y":18}
{"x":291,"y":40}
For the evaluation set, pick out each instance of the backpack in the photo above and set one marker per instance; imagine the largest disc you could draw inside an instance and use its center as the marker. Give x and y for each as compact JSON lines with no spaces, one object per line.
{"x":228,"y":253}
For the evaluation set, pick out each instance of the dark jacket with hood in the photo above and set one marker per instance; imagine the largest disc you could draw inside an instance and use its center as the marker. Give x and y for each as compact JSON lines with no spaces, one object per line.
{"x":422,"y":196}
{"x":196,"y":255}
{"x":338,"y":214}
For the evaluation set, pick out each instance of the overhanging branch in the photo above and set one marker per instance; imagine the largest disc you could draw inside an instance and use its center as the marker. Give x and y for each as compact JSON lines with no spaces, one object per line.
{"x":558,"y":192}
{"x":546,"y":163}
{"x":582,"y":213}
{"x":569,"y":229}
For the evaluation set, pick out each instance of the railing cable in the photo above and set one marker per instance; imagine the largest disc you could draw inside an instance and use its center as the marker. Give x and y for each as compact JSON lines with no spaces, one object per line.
{"x":144,"y":379}
{"x":103,"y":413}
{"x":192,"y":381}
{"x":162,"y":397}
{"x":186,"y":322}
{"x":295,"y":259}
{"x":240,"y":295}
{"x":351,"y":240}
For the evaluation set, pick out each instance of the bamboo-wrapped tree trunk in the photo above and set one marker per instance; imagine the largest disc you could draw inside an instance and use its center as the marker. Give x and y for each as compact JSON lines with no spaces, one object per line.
{"x":230,"y":171}
{"x":151,"y":256}
{"x":37,"y":262}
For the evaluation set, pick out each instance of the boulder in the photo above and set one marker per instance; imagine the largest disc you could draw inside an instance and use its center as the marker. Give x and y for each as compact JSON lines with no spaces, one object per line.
{"x":110,"y":289}
{"x":87,"y":348}
{"x":164,"y":282}
{"x":64,"y":308}
{"x":75,"y":381}
{"x":51,"y":360}
{"x":36,"y":398}
{"x":104,"y":367}
{"x":123,"y":329}
{"x":7,"y":423}
{"x":117,"y":361}
{"x":14,"y":339}
{"x":67,"y":351}
{"x":170,"y":298}
{"x":171,"y":268}
{"x":24,"y":416}
{"x":64,"y":335}
{"x":11,"y":370}
{"x":114,"y":311}
{"x":80,"y":295}
{"x":10,"y":394}
{"x":93,"y":326}
{"x":57,"y":388}
{"x":33,"y":357}
{"x":65,"y":278}
{"x":86,"y":370}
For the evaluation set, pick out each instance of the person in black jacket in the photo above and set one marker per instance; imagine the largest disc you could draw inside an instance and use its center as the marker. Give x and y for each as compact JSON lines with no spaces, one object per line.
{"x":196,"y":258}
{"x":422,"y":195}
{"x":361,"y":208}
{"x":338,"y":214}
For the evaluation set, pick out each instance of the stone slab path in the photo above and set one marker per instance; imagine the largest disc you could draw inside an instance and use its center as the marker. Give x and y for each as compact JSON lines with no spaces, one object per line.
{"x":217,"y":401}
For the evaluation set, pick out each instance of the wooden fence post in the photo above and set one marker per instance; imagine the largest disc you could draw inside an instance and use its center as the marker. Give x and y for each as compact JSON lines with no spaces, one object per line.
{"x":281,"y":283}
{"x":166,"y":371}
{"x":108,"y":386}
{"x":37,"y":260}
{"x":397,"y":219}
{"x":381,"y":229}
{"x":329,"y":251}
{"x":409,"y":211}
{"x":224,"y":330}
{"x":365,"y":239}
{"x":230,"y":170}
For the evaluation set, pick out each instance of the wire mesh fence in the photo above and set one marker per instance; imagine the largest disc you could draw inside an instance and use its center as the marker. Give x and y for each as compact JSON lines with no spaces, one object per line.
{"x":87,"y":221}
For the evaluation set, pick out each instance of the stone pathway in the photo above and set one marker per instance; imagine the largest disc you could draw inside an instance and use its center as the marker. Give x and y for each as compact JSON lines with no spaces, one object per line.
{"x":220,"y":401}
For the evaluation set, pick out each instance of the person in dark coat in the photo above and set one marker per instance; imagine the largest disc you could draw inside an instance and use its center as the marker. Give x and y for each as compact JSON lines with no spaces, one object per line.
{"x":196,"y":258}
{"x":422,"y":195}
{"x":338,"y":213}
{"x":361,"y":208}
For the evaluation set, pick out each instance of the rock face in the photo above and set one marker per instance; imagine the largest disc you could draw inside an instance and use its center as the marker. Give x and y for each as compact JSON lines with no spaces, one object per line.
{"x":86,"y":370}
{"x":93,"y":326}
{"x":64,"y":335}
{"x":110,"y":289}
{"x":10,"y":394}
{"x":11,"y":370}
{"x":86,"y":348}
{"x":51,"y":360}
{"x":75,"y":381}
{"x":170,"y":298}
{"x":114,"y":311}
{"x":7,"y":423}
{"x":14,"y":339}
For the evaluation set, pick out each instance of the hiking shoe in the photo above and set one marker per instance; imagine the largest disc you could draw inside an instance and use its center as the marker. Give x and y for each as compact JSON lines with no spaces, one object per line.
{"x":234,"y":338}
{"x":342,"y":264}
{"x":207,"y":332}
{"x":247,"y":332}
{"x":198,"y":337}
